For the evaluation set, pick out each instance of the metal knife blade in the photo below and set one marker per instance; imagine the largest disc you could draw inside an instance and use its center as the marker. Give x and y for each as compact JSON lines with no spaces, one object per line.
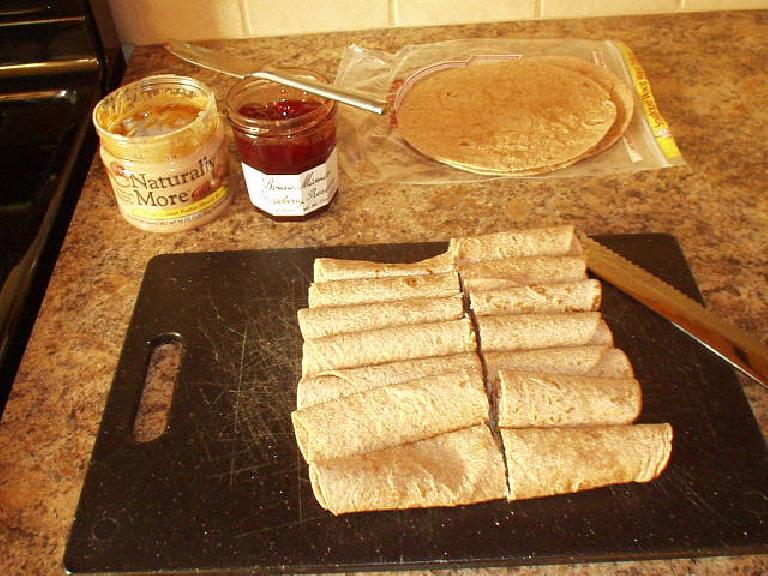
{"x":741,"y":349}
{"x":241,"y":67}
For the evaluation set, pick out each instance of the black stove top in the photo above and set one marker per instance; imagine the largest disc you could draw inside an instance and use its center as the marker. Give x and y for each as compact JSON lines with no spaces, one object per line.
{"x":54,"y":67}
{"x":40,"y":121}
{"x":49,"y":41}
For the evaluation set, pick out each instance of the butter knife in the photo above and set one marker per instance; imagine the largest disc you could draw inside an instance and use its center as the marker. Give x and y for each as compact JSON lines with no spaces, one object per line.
{"x":242,"y":67}
{"x":730,"y":342}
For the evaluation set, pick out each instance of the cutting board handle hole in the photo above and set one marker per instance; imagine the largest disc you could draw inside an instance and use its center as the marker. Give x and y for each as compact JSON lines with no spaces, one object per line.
{"x":157,"y":393}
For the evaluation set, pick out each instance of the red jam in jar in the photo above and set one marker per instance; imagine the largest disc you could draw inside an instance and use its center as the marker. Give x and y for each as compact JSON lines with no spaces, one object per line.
{"x":287,"y":144}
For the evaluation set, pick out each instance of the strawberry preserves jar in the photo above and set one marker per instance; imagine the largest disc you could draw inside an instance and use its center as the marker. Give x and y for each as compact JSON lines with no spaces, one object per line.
{"x":162,"y":143}
{"x":287,"y":144}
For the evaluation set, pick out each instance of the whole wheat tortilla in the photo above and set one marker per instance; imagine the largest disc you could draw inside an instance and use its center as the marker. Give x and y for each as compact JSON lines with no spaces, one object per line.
{"x":334,"y":384}
{"x":511,"y":116}
{"x":462,"y":467}
{"x":387,"y":345}
{"x":325,"y":321}
{"x":550,"y":241}
{"x":390,"y":415}
{"x":526,"y":399}
{"x":528,"y":331}
{"x":523,"y":271}
{"x":326,"y":269}
{"x":595,"y":360}
{"x":360,"y":290}
{"x":581,"y":296}
{"x":620,"y":94}
{"x":547,"y":461}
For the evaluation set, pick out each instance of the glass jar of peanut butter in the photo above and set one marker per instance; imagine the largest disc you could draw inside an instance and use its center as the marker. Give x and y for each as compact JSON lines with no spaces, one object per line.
{"x":162,"y":144}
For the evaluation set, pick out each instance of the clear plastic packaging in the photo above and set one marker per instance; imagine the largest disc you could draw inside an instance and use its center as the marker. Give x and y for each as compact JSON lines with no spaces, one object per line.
{"x":371,"y":149}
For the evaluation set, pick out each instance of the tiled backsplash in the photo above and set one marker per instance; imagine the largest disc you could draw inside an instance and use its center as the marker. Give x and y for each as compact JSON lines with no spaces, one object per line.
{"x":153,"y":21}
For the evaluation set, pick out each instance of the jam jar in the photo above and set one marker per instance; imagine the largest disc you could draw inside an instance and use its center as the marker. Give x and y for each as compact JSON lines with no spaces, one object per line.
{"x":163,"y":146}
{"x":286,"y":139}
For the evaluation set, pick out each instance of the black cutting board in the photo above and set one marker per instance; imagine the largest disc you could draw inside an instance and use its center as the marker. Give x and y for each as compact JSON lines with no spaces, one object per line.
{"x":225,"y":489}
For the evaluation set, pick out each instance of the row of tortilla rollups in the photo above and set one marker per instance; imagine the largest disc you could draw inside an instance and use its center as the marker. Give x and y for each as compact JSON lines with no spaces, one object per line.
{"x":392,"y":406}
{"x":564,"y":427}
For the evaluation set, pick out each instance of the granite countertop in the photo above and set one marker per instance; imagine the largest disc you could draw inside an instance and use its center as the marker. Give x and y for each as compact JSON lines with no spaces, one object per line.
{"x":710,"y":79}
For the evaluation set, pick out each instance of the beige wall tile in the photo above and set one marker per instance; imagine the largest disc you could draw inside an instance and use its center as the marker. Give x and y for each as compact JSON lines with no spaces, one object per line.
{"x":432,"y":12}
{"x":270,"y":18}
{"x":701,"y":5}
{"x":154,"y":21}
{"x":579,"y":8}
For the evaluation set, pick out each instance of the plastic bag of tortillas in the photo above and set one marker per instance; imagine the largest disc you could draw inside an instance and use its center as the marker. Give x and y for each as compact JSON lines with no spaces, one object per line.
{"x":373,"y":148}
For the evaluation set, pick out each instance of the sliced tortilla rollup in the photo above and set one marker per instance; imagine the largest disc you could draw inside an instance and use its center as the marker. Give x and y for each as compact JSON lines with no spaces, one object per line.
{"x":387,"y":345}
{"x":326,"y":269}
{"x":548,"y":461}
{"x":331,"y":320}
{"x":523,"y":271}
{"x":542,"y":400}
{"x":335,"y":384}
{"x":581,"y":296}
{"x":529,"y":331}
{"x":596,"y":360}
{"x":462,"y":467}
{"x":552,"y":241}
{"x":360,"y":290}
{"x":390,"y":415}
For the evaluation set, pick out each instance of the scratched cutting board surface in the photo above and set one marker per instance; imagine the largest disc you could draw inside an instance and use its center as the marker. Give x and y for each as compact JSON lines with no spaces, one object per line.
{"x":225,"y":489}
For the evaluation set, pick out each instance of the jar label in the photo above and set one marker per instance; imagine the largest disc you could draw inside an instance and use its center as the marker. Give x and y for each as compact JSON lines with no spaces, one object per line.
{"x":166,"y":195}
{"x":293,"y":194}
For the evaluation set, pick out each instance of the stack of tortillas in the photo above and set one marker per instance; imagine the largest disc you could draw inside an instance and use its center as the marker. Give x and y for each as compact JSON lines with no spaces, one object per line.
{"x":515,"y":117}
{"x":398,"y":406}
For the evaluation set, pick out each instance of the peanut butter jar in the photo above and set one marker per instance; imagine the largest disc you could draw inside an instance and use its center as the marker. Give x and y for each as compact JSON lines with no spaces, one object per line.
{"x":162,"y":144}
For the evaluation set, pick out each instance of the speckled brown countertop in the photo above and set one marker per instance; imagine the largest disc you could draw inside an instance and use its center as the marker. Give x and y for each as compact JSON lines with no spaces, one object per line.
{"x":710,"y":79}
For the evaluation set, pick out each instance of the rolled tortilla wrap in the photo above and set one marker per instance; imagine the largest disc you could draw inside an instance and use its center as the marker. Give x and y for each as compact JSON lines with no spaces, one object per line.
{"x":335,"y":384}
{"x":461,"y":467}
{"x":360,"y":290}
{"x":390,"y":415}
{"x":564,"y":297}
{"x":601,"y":360}
{"x":531,"y":242}
{"x":387,"y":345}
{"x":546,"y":461}
{"x":326,"y":269}
{"x":524,"y":271}
{"x":528,"y":331}
{"x":485,"y":284}
{"x":331,"y":320}
{"x":544,"y":400}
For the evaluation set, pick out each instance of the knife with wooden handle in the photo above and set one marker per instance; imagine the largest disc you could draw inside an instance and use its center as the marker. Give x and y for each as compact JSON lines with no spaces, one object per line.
{"x":744,"y":351}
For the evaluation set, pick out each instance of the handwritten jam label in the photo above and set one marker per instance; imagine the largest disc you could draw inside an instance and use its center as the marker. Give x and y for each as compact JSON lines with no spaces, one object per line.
{"x":293,"y":194}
